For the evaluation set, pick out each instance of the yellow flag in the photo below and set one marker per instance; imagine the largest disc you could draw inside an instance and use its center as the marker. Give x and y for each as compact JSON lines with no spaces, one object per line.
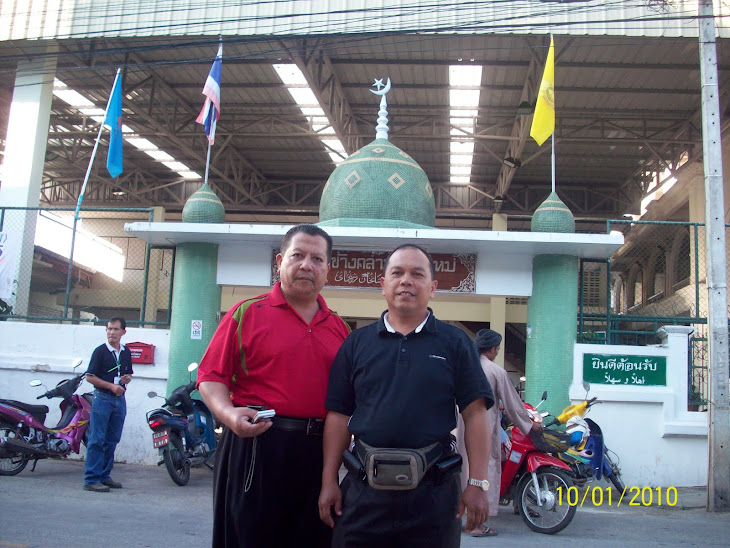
{"x":543,"y":121}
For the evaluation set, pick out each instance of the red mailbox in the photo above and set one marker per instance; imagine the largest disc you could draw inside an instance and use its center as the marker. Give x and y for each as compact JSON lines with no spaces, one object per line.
{"x":141,"y":352}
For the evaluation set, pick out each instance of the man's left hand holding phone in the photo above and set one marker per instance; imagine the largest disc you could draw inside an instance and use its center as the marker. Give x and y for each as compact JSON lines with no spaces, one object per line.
{"x":253,"y":420}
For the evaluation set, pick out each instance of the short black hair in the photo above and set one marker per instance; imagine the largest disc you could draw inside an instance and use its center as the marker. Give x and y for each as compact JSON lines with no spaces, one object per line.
{"x":119,"y":319}
{"x":411,"y":246}
{"x":309,"y":229}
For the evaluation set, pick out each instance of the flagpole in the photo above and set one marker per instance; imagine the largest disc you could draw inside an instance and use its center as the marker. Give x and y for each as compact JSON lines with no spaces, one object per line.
{"x":553,"y":136}
{"x":78,"y":207}
{"x":553,"y":161}
{"x":207,"y":165}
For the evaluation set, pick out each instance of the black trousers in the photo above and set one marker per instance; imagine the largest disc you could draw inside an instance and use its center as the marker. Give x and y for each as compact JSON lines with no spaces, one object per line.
{"x":424,"y":517}
{"x":280,"y":507}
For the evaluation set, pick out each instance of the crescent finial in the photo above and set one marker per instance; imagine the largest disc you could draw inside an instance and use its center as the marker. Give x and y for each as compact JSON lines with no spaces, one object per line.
{"x":379,"y":84}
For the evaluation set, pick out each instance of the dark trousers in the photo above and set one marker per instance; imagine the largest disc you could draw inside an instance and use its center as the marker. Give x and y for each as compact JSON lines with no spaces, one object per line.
{"x":280,"y":507}
{"x":105,"y":430}
{"x":424,"y":517}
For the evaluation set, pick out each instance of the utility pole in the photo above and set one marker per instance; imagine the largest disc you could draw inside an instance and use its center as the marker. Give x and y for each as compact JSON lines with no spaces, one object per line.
{"x":718,"y":472}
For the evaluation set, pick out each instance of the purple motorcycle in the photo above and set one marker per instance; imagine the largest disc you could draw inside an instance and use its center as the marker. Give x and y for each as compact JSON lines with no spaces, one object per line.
{"x":25,"y":437}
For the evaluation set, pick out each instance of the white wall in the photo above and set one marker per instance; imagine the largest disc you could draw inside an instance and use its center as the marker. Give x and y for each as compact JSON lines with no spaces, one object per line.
{"x":46,"y":351}
{"x":659,"y":443}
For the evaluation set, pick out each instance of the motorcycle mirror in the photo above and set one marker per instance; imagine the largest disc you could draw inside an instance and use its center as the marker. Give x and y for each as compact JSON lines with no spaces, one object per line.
{"x":586,"y":387}
{"x":35,"y":382}
{"x":76,"y":362}
{"x":544,"y":395}
{"x":192,"y":367}
{"x":152,"y":394}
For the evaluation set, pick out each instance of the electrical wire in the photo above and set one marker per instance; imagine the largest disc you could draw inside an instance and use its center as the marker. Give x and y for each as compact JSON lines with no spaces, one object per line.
{"x":504,"y":17}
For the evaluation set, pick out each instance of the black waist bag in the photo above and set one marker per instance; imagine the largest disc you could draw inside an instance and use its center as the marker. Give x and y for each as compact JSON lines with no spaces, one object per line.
{"x":393,"y":469}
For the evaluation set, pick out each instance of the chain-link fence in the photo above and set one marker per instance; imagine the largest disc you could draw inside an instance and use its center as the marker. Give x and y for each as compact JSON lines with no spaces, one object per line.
{"x":656,"y":278}
{"x":110,"y":273}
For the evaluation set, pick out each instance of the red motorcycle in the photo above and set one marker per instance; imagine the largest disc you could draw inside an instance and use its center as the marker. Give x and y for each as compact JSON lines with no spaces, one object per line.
{"x":535,"y":481}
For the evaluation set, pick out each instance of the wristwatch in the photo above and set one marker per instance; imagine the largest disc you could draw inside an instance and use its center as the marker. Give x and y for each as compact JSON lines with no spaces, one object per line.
{"x":482,"y":484}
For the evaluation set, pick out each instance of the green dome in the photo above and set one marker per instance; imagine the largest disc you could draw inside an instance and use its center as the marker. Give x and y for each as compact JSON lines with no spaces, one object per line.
{"x":552,"y":216}
{"x":203,"y":207}
{"x":378,"y":186}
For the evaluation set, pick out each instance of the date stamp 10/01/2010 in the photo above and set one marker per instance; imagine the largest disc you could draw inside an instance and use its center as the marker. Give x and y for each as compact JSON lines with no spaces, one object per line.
{"x":633,"y":496}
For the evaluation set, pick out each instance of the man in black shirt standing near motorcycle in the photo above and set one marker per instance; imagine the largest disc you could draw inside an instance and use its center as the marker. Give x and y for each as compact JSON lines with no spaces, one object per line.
{"x":110,"y":371}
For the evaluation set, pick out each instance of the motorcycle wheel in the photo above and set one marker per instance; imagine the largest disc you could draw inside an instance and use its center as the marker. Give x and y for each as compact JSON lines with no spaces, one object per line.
{"x":11,"y":463}
{"x":555,"y":513}
{"x":615,"y":475}
{"x":174,"y":456}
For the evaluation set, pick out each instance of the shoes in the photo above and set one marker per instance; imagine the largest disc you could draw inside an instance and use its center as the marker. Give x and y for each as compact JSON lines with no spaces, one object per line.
{"x":482,"y":531}
{"x":96,"y":487}
{"x":113,"y":484}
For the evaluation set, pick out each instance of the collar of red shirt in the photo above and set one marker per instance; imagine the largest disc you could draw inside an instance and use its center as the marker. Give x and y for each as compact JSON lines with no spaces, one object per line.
{"x":278,"y":299}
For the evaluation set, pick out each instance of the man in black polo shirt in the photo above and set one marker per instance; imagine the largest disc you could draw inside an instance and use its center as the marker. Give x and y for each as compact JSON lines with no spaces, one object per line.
{"x":396,"y":384}
{"x":110,"y":371}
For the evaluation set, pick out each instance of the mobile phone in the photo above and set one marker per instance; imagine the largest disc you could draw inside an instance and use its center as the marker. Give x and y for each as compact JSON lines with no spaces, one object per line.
{"x":265,"y":414}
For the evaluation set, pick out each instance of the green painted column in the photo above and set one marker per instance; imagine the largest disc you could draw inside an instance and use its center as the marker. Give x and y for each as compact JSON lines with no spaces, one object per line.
{"x":196,"y":296}
{"x":552,"y":313}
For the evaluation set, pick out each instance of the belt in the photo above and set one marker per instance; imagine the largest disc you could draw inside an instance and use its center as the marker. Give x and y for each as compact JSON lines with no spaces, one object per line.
{"x":310,"y":427}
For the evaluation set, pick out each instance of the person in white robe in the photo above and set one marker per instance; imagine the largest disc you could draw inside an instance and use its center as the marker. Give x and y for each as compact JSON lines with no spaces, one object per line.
{"x":488,"y":344}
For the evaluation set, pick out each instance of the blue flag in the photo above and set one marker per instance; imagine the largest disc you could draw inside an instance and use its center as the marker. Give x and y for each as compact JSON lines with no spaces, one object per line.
{"x":212,"y":90}
{"x":113,"y":121}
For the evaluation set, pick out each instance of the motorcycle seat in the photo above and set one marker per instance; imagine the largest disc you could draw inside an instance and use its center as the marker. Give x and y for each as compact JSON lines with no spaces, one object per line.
{"x":38,"y":411}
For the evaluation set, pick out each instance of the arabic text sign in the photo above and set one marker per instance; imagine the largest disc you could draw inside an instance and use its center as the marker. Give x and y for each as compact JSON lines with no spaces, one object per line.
{"x":625,"y":370}
{"x":454,"y":271}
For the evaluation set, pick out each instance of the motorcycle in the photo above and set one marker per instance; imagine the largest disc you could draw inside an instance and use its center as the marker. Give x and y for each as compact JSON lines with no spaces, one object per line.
{"x":183,"y":430}
{"x":536,"y":481}
{"x":588,"y":457}
{"x":24,"y":437}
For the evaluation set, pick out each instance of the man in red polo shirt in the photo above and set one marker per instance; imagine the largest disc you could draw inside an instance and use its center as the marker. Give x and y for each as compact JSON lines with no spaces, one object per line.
{"x":274,"y":351}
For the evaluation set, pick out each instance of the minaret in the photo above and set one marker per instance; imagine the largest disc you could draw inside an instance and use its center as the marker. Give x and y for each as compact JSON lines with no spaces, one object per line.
{"x":196,"y":295}
{"x":552,"y":312}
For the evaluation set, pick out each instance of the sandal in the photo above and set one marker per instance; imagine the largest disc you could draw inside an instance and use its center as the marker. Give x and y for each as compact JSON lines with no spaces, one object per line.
{"x":485,"y":532}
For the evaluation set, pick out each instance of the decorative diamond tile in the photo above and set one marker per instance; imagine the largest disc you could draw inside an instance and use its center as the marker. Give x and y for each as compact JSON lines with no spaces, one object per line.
{"x":429,"y":190}
{"x":352,"y":179}
{"x":378,"y":150}
{"x":396,"y":180}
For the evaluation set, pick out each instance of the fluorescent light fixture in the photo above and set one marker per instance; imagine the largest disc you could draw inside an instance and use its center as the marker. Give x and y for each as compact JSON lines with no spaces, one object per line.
{"x":189,"y":175}
{"x":463,"y":115}
{"x":514,"y":163}
{"x":296,"y":85}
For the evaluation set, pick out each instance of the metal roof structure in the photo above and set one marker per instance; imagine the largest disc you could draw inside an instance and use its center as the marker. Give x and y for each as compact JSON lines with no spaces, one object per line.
{"x":628,"y":114}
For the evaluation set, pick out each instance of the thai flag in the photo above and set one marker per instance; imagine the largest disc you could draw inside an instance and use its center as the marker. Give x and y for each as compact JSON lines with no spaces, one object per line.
{"x":212,"y":91}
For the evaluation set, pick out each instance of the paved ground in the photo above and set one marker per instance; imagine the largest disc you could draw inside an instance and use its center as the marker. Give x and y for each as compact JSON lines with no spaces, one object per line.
{"x":47,"y":508}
